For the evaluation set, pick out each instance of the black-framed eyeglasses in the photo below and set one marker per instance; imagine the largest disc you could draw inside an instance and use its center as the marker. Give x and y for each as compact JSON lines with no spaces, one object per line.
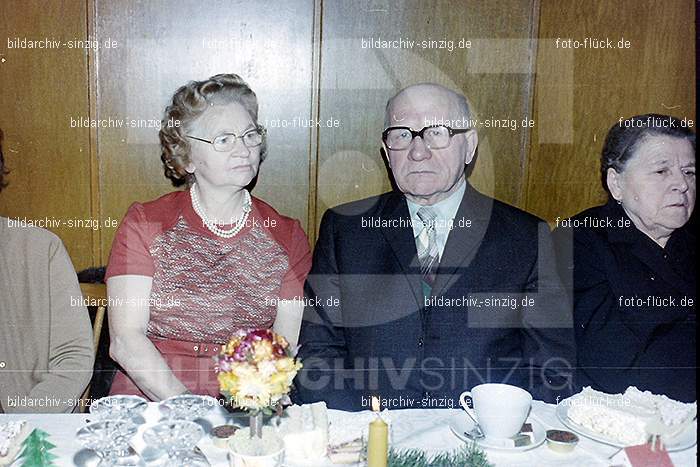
{"x":227,"y":141}
{"x":398,"y":138}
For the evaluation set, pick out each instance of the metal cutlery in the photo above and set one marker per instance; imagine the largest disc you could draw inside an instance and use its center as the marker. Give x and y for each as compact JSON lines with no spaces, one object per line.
{"x":200,"y":453}
{"x":478,"y":433}
{"x":474,"y":435}
{"x":659,"y":432}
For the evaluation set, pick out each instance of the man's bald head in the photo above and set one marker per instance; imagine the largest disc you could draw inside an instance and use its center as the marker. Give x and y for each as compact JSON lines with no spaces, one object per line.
{"x":445,"y":103}
{"x":425,"y":172}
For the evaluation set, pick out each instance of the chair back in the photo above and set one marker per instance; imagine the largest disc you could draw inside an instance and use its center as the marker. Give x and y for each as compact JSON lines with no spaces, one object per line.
{"x":94,"y":293}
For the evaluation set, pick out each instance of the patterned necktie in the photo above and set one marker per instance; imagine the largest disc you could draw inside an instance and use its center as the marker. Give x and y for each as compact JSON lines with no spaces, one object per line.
{"x":426,"y":243}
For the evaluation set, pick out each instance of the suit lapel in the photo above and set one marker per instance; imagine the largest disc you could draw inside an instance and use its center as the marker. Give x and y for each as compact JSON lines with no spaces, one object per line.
{"x":402,"y":243}
{"x":463,"y":242}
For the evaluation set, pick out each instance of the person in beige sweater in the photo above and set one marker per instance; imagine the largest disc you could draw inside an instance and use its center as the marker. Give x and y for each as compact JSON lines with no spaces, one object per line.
{"x":46,"y":352}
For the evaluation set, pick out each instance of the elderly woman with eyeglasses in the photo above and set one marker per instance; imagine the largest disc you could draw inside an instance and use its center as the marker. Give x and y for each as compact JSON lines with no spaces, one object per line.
{"x":190,"y":268}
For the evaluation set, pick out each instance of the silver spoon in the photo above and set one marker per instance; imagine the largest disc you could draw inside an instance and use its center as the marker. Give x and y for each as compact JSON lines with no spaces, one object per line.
{"x":474,"y":435}
{"x":477,"y":432}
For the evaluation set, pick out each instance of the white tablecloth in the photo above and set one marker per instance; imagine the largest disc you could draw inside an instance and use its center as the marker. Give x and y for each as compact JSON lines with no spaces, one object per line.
{"x":411,"y":428}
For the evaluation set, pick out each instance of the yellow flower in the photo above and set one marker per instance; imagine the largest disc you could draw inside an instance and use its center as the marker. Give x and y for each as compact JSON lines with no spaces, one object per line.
{"x":244,"y":370}
{"x":262,"y":351}
{"x":228,"y":382}
{"x":267,"y":368}
{"x":287,"y":364}
{"x":255,"y":392}
{"x":278,"y":381}
{"x":281,"y":340}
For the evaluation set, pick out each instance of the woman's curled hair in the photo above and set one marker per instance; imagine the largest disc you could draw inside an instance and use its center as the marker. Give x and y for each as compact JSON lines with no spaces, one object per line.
{"x":188,"y":103}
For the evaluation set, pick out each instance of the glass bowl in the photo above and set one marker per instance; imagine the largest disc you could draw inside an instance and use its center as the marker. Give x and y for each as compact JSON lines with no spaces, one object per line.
{"x":187,"y":407}
{"x":110,"y":440}
{"x":118,"y":407}
{"x":177,"y":439}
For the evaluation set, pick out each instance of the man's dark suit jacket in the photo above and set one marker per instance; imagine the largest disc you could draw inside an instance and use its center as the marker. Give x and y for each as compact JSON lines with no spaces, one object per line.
{"x":369,"y":330}
{"x":634,"y":322}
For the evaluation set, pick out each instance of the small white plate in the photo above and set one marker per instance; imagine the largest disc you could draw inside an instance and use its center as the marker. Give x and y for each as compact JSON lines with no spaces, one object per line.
{"x":687,"y":438}
{"x":461,"y":423}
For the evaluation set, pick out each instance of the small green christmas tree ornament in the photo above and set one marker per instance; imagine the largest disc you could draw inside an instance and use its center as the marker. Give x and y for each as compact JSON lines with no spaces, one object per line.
{"x":36,"y":450}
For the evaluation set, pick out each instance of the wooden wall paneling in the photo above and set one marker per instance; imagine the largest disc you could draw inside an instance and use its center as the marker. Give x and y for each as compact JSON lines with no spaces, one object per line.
{"x":580,"y":93}
{"x":356,"y":81}
{"x":41,"y":90}
{"x":306,"y":61}
{"x":160,"y":46}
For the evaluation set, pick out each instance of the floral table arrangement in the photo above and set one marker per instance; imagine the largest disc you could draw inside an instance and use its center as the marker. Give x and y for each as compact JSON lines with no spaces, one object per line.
{"x":255,"y":371}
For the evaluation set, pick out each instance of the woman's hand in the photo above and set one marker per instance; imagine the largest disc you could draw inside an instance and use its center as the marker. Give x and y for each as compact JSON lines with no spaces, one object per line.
{"x":288,"y":320}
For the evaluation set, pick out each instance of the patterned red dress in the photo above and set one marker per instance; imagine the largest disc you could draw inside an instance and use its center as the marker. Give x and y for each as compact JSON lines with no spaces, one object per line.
{"x":204,"y":286}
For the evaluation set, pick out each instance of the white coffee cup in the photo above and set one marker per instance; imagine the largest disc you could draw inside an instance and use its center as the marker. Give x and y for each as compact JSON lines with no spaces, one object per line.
{"x":500,"y":409}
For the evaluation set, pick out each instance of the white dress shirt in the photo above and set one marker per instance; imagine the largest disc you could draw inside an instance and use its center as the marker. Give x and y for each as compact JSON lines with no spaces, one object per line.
{"x":446,"y":210}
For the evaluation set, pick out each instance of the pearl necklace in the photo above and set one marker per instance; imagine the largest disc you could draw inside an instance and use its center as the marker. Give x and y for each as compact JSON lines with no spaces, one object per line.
{"x":213,"y":228}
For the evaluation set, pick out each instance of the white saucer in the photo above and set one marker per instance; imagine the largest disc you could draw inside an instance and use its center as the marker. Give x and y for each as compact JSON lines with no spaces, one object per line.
{"x":461,"y":423}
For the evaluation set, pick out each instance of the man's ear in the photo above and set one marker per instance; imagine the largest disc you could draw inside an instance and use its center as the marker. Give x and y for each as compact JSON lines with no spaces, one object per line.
{"x":615,"y":183}
{"x":472,"y":140}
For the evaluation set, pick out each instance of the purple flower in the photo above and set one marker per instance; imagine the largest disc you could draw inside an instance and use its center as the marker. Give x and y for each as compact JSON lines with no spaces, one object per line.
{"x":258,"y":335}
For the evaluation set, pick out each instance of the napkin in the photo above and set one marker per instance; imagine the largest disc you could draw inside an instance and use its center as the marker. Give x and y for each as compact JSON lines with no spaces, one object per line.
{"x":353,"y":425}
{"x":12,"y":434}
{"x":643,"y":456}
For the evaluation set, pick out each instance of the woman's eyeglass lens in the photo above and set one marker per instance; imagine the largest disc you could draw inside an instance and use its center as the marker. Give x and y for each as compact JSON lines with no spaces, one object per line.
{"x":227,"y":141}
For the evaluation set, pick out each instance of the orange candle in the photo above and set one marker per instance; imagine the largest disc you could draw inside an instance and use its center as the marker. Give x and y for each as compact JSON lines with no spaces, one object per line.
{"x":378,"y":443}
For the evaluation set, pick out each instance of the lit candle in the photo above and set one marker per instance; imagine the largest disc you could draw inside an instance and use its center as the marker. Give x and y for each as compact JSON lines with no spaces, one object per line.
{"x":378,"y":444}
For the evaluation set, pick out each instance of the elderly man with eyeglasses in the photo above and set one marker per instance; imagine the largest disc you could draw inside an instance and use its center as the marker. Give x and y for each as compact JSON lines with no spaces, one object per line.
{"x":426,"y":291}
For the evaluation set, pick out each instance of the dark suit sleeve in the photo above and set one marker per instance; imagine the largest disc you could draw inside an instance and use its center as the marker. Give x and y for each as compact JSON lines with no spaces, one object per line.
{"x":548,"y":335}
{"x":323,"y":348}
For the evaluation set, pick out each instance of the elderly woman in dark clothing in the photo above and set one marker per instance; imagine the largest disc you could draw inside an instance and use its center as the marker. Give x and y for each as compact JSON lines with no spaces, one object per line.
{"x":634,"y":263}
